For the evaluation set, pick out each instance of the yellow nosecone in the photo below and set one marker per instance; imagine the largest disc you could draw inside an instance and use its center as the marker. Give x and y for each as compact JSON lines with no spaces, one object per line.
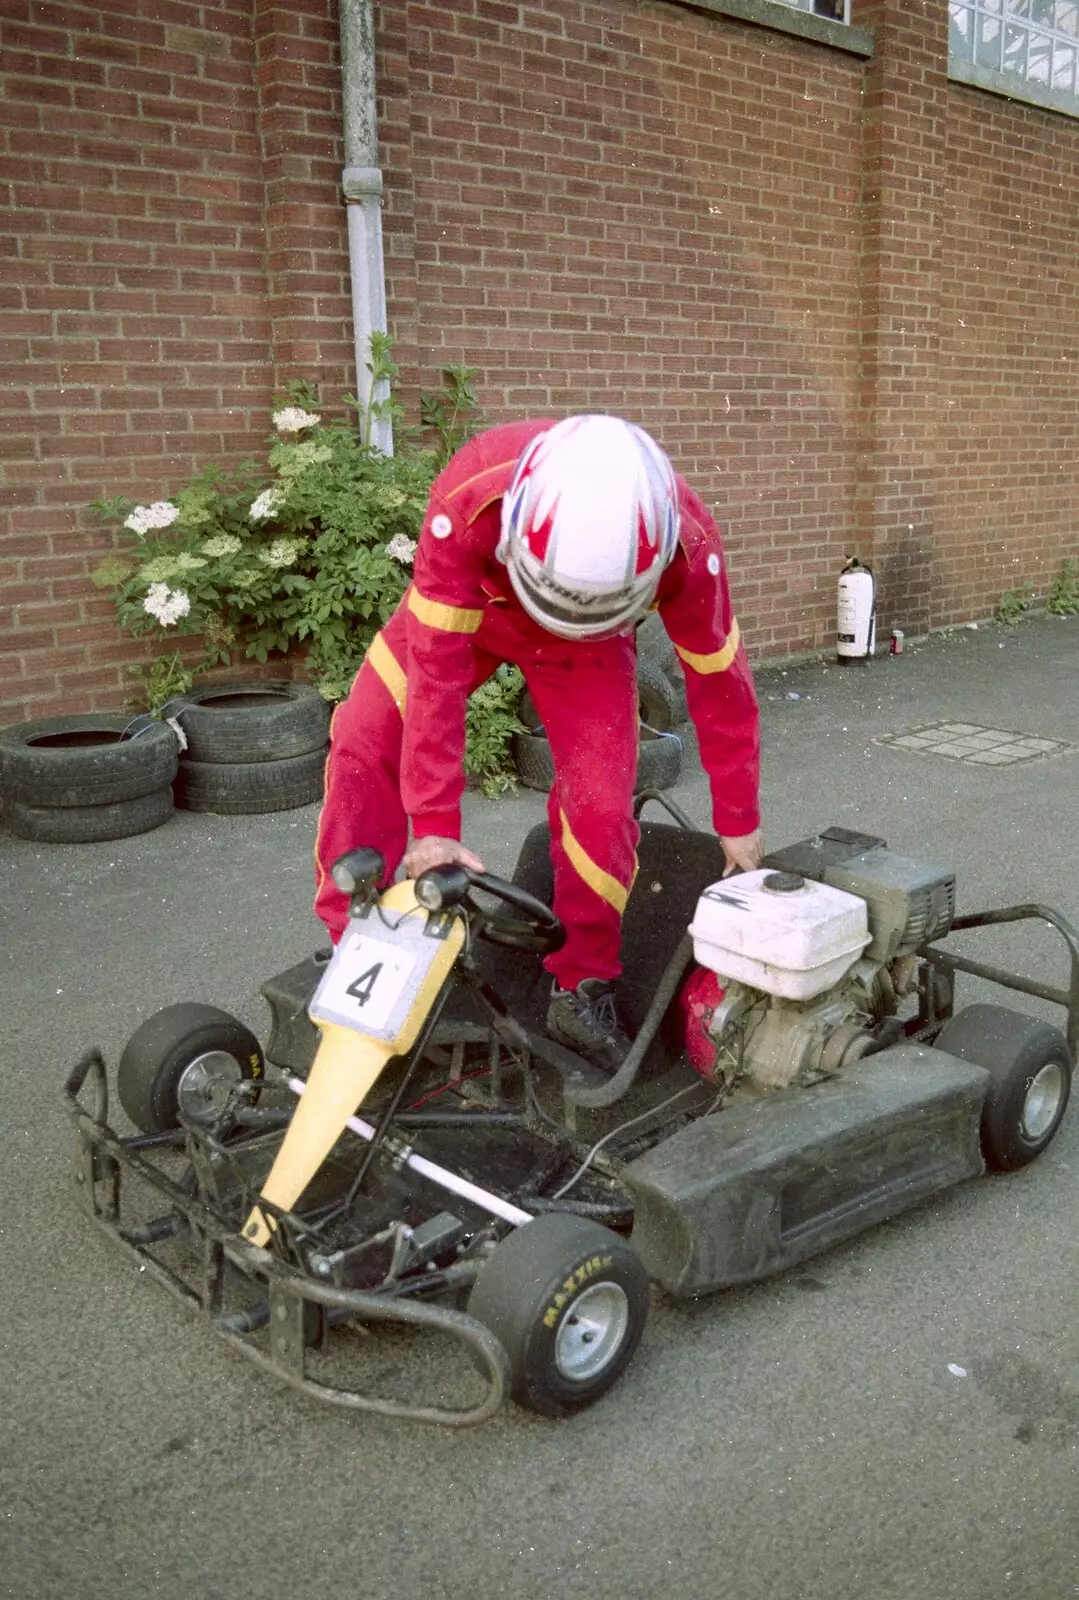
{"x":345,"y":1068}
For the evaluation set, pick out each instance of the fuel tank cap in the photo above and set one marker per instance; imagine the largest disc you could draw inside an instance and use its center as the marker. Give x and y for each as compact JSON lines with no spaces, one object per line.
{"x":783,"y":882}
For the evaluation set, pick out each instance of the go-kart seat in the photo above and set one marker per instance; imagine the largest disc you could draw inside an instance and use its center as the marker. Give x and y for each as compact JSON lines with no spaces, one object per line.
{"x":674,"y":865}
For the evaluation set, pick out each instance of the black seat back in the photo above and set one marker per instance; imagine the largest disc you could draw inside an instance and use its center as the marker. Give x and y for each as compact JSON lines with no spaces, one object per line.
{"x":674,"y":865}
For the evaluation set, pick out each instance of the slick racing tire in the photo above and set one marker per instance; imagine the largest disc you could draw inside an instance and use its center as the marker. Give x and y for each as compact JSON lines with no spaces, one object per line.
{"x":185,"y":1058}
{"x":568,"y":1301}
{"x":89,"y":824}
{"x":253,"y":722}
{"x":245,"y":788}
{"x":94,"y":759}
{"x":1030,"y":1069}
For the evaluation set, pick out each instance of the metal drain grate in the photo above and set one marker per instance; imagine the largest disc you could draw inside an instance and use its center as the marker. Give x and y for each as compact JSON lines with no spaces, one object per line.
{"x":982,"y":747}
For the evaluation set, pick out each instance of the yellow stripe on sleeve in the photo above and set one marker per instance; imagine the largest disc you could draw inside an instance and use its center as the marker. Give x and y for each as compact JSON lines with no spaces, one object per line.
{"x":449,"y":619}
{"x":605,"y":886}
{"x":382,"y":659}
{"x":719,"y":660}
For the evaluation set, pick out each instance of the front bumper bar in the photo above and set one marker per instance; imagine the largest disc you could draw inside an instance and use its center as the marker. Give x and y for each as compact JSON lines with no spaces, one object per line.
{"x":104,"y":1160}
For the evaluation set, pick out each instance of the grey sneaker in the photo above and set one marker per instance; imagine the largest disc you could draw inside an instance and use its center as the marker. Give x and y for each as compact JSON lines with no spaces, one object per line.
{"x":585,"y":1019}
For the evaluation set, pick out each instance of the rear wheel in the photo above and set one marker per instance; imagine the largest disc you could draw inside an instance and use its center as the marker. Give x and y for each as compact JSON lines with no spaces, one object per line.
{"x":568,"y":1301}
{"x":185,"y":1060}
{"x":1030,"y":1068}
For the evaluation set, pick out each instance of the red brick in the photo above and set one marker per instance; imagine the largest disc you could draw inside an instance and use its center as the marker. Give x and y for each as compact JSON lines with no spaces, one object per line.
{"x":826,"y":369}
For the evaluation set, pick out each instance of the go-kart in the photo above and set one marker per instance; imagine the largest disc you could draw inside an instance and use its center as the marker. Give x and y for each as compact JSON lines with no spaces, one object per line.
{"x":411,"y":1149}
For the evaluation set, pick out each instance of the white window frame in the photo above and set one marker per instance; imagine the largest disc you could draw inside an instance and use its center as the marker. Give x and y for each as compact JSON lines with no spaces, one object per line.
{"x":1025,"y":49}
{"x":797,"y":17}
{"x":832,"y":10}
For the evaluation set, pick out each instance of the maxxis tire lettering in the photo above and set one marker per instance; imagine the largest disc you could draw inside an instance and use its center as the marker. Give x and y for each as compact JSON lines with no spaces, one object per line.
{"x":576,"y":1280}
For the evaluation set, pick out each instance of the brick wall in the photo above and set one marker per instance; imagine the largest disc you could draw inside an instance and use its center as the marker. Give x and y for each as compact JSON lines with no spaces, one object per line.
{"x":842,"y":291}
{"x":171,"y":248}
{"x":1009,"y":353}
{"x":649,"y":211}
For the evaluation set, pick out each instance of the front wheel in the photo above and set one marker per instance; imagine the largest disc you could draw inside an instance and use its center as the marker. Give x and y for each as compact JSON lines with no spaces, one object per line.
{"x":184,"y":1061}
{"x":1030,"y":1068}
{"x":568,"y":1301}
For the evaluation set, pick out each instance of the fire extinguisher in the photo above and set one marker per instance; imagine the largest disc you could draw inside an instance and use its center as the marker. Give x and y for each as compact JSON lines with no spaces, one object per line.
{"x":856,"y":615}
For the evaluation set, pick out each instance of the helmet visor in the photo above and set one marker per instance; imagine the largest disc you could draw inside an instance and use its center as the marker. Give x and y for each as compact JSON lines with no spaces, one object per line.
{"x":572,"y":614}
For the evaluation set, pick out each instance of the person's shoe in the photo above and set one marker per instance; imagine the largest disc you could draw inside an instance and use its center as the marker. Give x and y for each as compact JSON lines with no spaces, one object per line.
{"x":585,"y":1019}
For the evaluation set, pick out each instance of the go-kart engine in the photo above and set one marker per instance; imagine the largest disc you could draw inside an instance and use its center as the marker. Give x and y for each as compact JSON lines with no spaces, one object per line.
{"x":806,"y":959}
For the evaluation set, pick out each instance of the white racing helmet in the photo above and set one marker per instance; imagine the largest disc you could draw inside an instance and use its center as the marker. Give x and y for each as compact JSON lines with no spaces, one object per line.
{"x":588,"y":525}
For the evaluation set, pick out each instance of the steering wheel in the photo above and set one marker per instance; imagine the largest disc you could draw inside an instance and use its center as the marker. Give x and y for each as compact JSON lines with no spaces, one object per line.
{"x":537,"y":928}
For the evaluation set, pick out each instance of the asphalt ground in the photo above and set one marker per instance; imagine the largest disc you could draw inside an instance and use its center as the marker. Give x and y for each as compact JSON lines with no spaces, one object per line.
{"x":899,"y":1418}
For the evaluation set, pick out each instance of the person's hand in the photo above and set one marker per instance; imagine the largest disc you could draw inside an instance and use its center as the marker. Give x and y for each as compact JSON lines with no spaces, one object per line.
{"x":743,"y":852}
{"x":422,"y":854}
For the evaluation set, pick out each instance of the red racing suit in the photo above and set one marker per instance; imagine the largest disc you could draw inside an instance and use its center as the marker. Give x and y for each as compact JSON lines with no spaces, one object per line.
{"x":397,"y":743}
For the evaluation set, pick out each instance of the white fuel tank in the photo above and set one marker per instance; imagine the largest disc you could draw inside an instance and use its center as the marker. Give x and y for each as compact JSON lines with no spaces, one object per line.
{"x":777,"y":931}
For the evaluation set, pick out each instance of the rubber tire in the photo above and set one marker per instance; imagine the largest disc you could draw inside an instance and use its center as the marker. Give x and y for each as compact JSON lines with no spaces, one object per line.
{"x":516,"y":1288}
{"x":263,"y":721}
{"x":89,"y":824}
{"x":657,"y":699}
{"x":247,"y":788}
{"x":655,"y":647}
{"x":158,"y":1052}
{"x":97,"y":768}
{"x":659,"y":704}
{"x":1013,"y":1048}
{"x":659,"y":761}
{"x":654,"y":644}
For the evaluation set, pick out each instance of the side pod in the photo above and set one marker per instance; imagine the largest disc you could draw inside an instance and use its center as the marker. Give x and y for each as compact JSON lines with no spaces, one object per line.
{"x":765,"y":1183}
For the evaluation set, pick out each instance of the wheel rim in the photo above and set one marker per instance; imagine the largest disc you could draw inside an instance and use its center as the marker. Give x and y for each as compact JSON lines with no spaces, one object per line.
{"x":1041,"y":1103}
{"x":592,"y":1334}
{"x":205,"y":1083}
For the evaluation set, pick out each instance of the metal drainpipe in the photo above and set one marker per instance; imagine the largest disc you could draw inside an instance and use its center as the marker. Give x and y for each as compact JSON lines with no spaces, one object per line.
{"x":361,"y":182}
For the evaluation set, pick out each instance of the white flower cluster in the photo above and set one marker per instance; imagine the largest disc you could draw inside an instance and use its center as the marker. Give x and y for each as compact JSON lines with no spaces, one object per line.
{"x":402,"y":548}
{"x":293,"y":418}
{"x":282,"y":553}
{"x":167,"y":605}
{"x":265,"y":504}
{"x":222,"y":544}
{"x":162,"y":514}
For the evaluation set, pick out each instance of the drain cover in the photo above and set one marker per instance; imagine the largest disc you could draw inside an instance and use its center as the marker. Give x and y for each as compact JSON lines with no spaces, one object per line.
{"x":982,"y":747}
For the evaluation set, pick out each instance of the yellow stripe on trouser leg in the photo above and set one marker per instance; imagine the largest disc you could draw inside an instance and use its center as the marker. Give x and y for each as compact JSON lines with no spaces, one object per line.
{"x":608,"y":888}
{"x":381,"y":659}
{"x":719,"y":660}
{"x":448,"y":619}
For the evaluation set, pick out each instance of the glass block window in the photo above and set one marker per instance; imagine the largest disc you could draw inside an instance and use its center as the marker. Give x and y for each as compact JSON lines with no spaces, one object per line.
{"x":837,"y":10}
{"x":1026,"y":48}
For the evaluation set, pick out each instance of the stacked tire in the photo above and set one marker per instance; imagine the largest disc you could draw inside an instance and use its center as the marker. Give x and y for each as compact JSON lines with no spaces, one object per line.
{"x":656,"y":652}
{"x":83,"y":779}
{"x":252,"y":747}
{"x":661,"y":708}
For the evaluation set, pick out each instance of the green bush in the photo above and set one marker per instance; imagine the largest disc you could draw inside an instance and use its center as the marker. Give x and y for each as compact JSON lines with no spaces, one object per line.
{"x":312,"y":551}
{"x":1014,"y":604}
{"x":1063,"y":597}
